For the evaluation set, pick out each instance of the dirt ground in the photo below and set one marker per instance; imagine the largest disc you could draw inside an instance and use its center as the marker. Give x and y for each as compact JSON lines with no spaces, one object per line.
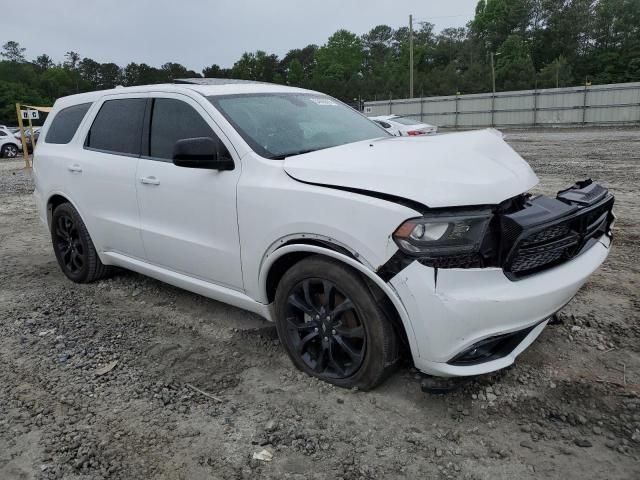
{"x":568,"y":409}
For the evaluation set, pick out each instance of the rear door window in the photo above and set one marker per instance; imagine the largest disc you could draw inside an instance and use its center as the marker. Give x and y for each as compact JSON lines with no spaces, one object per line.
{"x":382,"y":124}
{"x":65,"y":123}
{"x":117,"y":127}
{"x":173,"y":120}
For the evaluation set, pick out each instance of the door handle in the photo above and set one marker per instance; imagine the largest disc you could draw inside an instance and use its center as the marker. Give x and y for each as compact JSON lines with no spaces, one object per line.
{"x":150,"y":180}
{"x":75,"y":168}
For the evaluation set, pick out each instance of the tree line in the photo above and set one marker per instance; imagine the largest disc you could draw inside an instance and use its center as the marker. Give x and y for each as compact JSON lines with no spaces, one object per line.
{"x":534,"y":43}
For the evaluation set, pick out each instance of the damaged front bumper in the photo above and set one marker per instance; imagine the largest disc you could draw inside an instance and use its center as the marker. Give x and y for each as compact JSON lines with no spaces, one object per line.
{"x":469,"y":321}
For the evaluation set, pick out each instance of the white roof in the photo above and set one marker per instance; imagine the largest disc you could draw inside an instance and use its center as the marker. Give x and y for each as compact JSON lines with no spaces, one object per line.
{"x":220,"y":87}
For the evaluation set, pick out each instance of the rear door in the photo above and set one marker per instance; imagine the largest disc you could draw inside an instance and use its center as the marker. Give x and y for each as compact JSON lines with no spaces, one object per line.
{"x":103,"y":175}
{"x":188,"y":215}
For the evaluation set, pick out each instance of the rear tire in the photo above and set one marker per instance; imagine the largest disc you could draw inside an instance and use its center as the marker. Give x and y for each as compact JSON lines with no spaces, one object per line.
{"x":9,"y":151}
{"x":331,"y":325}
{"x":75,"y":252}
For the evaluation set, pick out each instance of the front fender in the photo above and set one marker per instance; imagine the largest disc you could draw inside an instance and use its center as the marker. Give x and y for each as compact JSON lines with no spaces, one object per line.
{"x":388,"y":290}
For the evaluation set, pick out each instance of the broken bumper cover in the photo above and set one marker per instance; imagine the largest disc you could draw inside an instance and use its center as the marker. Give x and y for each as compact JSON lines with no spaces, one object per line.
{"x":453,"y":311}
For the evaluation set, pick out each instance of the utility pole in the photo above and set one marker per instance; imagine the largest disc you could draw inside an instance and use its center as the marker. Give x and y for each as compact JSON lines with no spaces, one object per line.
{"x":557,"y":73}
{"x":493,"y":74}
{"x":493,"y":96}
{"x":410,"y":56}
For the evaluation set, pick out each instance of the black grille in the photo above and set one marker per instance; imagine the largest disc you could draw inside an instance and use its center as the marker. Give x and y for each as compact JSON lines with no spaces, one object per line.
{"x":545,"y":246}
{"x":551,"y":233}
{"x":454,"y":261}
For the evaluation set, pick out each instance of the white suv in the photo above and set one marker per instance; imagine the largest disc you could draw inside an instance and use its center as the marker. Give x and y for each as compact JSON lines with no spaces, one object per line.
{"x":287,"y":203}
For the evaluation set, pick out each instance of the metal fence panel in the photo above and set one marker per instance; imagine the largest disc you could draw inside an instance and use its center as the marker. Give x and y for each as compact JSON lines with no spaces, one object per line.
{"x":586,"y":105}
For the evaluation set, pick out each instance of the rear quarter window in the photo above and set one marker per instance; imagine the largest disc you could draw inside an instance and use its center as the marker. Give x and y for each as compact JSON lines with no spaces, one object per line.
{"x":65,"y":123}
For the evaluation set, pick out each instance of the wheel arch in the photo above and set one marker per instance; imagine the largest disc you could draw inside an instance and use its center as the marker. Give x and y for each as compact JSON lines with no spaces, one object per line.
{"x":57,"y":198}
{"x":280,"y":260}
{"x":52,"y":202}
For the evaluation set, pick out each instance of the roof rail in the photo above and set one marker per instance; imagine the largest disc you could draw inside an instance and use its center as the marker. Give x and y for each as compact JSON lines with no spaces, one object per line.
{"x":211,"y":81}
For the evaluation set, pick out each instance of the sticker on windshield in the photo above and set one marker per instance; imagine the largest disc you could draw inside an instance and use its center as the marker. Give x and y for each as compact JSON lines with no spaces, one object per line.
{"x":324,"y":102}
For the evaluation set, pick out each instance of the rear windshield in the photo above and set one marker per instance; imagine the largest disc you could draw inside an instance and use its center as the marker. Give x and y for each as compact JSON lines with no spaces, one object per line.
{"x":279,"y":125}
{"x":65,"y":123}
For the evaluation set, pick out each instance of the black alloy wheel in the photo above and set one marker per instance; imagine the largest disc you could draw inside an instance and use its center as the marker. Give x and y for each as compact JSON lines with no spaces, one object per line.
{"x":68,"y":244}
{"x":75,"y":252}
{"x":325,"y":329}
{"x":332,"y":325}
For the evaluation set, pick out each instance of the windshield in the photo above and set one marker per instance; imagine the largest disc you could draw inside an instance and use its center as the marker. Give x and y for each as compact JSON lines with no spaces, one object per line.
{"x":405,"y":121}
{"x":279,"y":125}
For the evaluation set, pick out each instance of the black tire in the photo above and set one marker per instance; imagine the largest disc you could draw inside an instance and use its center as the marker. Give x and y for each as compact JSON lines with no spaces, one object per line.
{"x":75,"y":252}
{"x":347,"y":344}
{"x":9,"y":150}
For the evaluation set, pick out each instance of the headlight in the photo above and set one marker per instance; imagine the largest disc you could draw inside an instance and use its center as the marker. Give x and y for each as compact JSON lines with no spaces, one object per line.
{"x":443,"y":234}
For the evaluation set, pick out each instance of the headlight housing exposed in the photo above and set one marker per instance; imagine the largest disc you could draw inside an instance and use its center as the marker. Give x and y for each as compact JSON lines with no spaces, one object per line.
{"x":443,"y":235}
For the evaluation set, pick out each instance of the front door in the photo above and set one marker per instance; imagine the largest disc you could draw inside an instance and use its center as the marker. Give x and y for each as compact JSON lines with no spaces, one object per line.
{"x":188,"y":215}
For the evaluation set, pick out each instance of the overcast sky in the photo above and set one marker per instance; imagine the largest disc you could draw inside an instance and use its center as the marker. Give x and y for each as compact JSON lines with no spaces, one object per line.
{"x":198,"y":33}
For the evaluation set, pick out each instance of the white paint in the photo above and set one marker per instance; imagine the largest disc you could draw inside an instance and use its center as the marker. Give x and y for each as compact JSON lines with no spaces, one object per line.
{"x":218,"y":233}
{"x":466,"y":306}
{"x":469,"y":168}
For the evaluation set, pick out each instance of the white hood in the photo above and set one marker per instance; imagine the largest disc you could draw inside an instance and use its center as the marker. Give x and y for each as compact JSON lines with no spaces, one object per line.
{"x":456,"y":169}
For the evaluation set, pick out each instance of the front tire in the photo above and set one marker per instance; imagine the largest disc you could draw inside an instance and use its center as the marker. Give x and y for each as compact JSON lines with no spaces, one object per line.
{"x":75,"y":252}
{"x":331,"y":325}
{"x":9,"y":151}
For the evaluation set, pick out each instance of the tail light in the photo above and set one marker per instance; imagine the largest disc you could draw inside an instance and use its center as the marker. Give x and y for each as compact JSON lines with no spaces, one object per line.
{"x":413,"y":133}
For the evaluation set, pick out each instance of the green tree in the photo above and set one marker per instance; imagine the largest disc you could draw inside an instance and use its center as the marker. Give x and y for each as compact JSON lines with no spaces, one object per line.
{"x":12,"y":93}
{"x":258,"y":66}
{"x":215,"y":71}
{"x":43,"y":61}
{"x":514,"y":69}
{"x":341,"y":57}
{"x":142,"y":74}
{"x":568,"y":39}
{"x":295,"y":75}
{"x":496,"y":20}
{"x":13,"y":52}
{"x":555,"y":74}
{"x":89,"y":72}
{"x":57,"y":82}
{"x":110,"y":76}
{"x":71,"y":60}
{"x":306,"y":56}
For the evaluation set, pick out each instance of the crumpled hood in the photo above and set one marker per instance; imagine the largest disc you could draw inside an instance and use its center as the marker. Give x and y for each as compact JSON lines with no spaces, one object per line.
{"x":456,"y":169}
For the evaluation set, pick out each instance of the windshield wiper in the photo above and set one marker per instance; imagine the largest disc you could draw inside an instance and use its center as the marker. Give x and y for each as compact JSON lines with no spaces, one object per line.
{"x":293,"y":154}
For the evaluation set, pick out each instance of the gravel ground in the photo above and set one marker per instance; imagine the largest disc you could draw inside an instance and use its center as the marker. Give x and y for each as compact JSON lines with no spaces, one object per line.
{"x":569,"y":408}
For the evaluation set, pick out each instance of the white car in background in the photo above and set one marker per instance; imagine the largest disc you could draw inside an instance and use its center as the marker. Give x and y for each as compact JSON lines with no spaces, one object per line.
{"x":404,"y":126}
{"x":9,"y":146}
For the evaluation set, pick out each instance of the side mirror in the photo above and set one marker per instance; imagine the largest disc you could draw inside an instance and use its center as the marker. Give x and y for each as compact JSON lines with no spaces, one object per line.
{"x":202,"y":152}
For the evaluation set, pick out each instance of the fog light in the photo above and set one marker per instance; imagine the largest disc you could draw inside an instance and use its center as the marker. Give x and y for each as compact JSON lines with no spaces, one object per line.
{"x":491,"y":348}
